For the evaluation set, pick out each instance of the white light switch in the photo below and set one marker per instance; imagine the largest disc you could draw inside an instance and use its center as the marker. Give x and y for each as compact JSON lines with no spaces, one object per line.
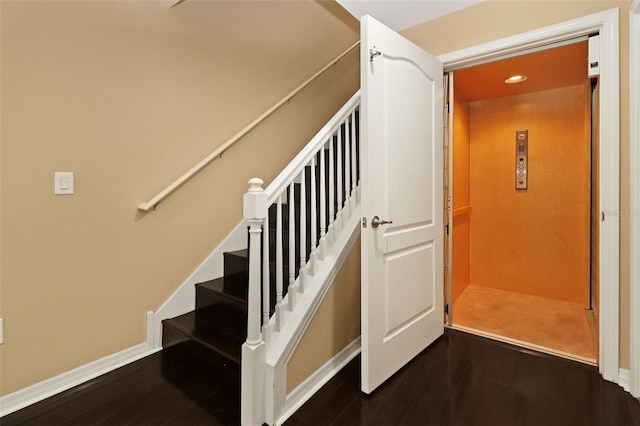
{"x":1,"y":331}
{"x":63,"y":183}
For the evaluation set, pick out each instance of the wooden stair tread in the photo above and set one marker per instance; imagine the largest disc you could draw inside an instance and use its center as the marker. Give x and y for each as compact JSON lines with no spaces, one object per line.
{"x":240,"y":253}
{"x":207,"y":335}
{"x":217,"y":286}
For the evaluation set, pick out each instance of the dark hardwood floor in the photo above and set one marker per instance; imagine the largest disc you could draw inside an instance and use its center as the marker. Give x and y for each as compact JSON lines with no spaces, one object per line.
{"x":460,"y":380}
{"x":468,"y":380}
{"x":160,"y":389}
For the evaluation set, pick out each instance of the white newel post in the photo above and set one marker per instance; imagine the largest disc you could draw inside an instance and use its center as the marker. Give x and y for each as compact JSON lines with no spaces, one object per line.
{"x":253,"y":350}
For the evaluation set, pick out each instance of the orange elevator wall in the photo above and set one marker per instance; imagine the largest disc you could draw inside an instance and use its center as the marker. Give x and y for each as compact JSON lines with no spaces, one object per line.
{"x":461,"y":210}
{"x":532,"y":241}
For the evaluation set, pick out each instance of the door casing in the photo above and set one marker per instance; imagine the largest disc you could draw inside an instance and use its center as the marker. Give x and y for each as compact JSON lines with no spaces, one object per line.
{"x":634,"y":110}
{"x":607,"y":24}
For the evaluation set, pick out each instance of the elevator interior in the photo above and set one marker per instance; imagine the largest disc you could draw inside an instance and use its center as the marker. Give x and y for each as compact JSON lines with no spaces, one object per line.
{"x":521,"y":202}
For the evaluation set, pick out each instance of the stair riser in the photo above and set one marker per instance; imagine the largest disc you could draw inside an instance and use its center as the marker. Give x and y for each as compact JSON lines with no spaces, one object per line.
{"x":219,"y":343}
{"x":234,"y":264}
{"x":206,"y":361}
{"x":206,"y":298}
{"x":231,"y":321}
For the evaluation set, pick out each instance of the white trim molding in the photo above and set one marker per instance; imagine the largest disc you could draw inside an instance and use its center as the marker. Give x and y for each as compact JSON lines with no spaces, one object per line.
{"x":65,"y":381}
{"x":625,"y":379}
{"x":634,"y":141}
{"x":305,"y":390}
{"x":607,"y":24}
{"x":283,"y":348}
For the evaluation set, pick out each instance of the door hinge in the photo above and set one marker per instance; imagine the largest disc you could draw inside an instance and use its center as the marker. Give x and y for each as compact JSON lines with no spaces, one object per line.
{"x":446,"y":229}
{"x":446,"y":309}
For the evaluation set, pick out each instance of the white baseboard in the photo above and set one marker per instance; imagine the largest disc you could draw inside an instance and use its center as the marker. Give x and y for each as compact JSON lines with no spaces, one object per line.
{"x":624,"y":379}
{"x":65,"y":381}
{"x":180,"y":302}
{"x":313,"y":383}
{"x":183,"y":300}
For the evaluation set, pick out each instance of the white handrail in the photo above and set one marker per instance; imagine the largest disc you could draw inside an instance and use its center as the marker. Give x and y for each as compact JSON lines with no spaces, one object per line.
{"x":295,"y":167}
{"x":148,"y":205}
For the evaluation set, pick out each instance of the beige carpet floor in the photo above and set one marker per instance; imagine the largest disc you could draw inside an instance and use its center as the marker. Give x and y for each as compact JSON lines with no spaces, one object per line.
{"x":548,"y":323}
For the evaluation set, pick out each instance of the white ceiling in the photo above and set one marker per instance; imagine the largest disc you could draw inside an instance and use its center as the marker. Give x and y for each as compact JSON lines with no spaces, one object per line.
{"x":401,"y":14}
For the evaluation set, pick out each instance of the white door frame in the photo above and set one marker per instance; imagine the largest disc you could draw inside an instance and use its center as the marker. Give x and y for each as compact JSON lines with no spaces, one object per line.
{"x":634,"y":110}
{"x":606,"y":23}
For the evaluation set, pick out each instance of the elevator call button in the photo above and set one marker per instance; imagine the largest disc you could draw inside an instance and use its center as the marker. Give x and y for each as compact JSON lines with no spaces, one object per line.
{"x":522,"y":142}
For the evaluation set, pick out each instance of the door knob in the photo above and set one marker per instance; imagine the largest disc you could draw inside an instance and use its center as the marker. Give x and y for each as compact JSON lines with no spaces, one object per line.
{"x":376,"y":221}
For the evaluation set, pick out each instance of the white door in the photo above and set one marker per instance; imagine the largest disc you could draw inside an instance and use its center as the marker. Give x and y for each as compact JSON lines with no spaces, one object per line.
{"x":402,"y":170}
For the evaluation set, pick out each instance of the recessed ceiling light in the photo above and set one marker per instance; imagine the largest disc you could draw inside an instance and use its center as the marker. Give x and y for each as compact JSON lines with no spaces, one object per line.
{"x":515,"y":79}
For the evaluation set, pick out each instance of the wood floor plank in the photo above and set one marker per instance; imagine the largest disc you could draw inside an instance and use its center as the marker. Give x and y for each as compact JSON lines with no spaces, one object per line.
{"x":467,"y":380}
{"x":461,"y":380}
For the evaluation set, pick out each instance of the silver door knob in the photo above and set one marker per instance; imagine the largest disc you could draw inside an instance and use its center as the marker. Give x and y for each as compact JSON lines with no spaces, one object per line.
{"x":376,"y":221}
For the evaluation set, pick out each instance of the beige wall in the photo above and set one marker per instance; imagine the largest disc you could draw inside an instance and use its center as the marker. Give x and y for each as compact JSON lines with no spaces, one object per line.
{"x":129,"y":95}
{"x":492,"y":20}
{"x":335,"y":325}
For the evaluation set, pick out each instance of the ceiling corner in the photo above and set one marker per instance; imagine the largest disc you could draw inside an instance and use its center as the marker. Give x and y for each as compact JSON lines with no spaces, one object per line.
{"x":401,"y":14}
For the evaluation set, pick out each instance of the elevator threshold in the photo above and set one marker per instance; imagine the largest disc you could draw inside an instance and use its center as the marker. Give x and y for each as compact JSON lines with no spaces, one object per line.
{"x":523,"y":344}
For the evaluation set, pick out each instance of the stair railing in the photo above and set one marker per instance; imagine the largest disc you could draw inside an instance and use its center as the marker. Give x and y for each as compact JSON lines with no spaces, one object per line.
{"x":312,"y":197}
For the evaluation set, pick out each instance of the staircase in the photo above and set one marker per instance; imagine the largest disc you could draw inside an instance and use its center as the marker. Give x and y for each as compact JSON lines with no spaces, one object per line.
{"x":309,"y":204}
{"x":217,"y":328}
{"x":211,"y":336}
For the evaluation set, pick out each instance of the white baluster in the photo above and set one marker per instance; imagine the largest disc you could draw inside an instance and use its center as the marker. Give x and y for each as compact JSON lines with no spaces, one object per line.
{"x":354,"y":160}
{"x":266,"y":291}
{"x":292,"y":247}
{"x":332,"y":197}
{"x":323,"y":204}
{"x":347,"y":168}
{"x":303,"y":229}
{"x":314,"y":220}
{"x":279,"y":266}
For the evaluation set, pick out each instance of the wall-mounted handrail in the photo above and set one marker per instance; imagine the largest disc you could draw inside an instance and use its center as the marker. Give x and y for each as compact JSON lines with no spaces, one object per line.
{"x":149,"y":205}
{"x":461,"y":210}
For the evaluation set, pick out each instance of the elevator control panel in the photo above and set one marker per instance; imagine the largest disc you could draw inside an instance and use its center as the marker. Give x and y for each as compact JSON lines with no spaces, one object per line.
{"x":522,"y":150}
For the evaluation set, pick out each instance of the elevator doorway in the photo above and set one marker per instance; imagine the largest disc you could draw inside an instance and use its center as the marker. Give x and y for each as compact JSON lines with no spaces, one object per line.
{"x":521,"y":259}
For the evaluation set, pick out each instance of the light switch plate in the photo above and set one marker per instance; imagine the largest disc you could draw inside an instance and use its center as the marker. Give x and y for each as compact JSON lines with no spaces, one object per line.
{"x":1,"y":331}
{"x":63,"y":183}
